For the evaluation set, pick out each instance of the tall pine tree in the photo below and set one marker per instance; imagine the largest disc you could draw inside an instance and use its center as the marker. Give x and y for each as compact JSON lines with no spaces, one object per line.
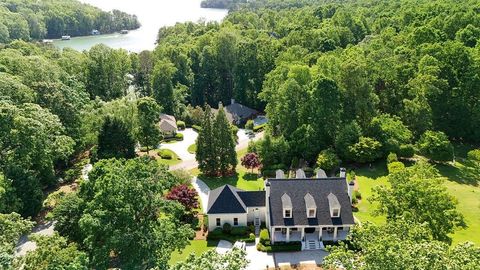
{"x":216,"y":154}
{"x":205,"y":155}
{"x":115,"y":140}
{"x":225,"y":144}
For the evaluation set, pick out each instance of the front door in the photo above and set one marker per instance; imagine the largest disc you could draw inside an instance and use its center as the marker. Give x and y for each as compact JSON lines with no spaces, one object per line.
{"x":256,"y":215}
{"x":310,"y":230}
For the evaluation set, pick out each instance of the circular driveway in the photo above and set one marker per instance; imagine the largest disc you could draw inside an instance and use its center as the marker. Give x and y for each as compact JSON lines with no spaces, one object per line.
{"x":181,"y":148}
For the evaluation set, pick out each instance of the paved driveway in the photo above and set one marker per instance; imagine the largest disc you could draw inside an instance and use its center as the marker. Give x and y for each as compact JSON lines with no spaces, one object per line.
{"x":306,"y":256}
{"x":202,"y":190}
{"x":181,"y":148}
{"x":258,"y":260}
{"x":223,"y":247}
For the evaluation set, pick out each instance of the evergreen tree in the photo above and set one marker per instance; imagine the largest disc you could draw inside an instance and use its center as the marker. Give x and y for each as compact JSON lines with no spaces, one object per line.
{"x":205,"y":154}
{"x":149,"y":133}
{"x":225,"y":145}
{"x":115,"y":140}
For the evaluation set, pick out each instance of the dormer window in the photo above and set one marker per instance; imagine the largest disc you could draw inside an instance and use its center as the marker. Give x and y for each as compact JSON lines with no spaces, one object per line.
{"x":287,"y":206}
{"x":310,"y":205}
{"x":334,"y":205}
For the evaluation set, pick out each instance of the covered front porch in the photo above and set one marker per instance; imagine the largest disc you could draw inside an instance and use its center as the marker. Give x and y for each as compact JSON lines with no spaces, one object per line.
{"x":303,"y":233}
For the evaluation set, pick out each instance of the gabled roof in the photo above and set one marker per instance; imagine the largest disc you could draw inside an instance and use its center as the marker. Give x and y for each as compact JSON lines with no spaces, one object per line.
{"x":319,"y":189}
{"x":310,"y":201}
{"x":225,"y":200}
{"x":333,"y":201}
{"x":231,"y":200}
{"x":286,"y":201}
{"x":167,"y":123}
{"x":239,"y":111}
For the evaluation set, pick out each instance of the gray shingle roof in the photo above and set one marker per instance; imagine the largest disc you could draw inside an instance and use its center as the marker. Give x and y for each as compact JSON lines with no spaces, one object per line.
{"x":229,"y":199}
{"x":252,"y":198}
{"x":296,"y":189}
{"x":224,"y":200}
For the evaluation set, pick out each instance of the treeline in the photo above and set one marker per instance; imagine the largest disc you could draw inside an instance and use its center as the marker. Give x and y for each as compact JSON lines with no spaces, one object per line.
{"x":223,"y":4}
{"x":320,"y":70}
{"x":23,"y":19}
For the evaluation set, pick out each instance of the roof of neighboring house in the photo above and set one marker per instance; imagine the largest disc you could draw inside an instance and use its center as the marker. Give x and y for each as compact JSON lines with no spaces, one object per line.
{"x":322,"y":192}
{"x":228,"y":199}
{"x":239,"y":111}
{"x":168,"y":123}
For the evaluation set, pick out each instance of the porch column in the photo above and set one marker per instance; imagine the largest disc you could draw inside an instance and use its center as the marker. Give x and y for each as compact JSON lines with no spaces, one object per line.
{"x":288,"y":234}
{"x":320,"y":233}
{"x":303,"y":233}
{"x":335,"y":234}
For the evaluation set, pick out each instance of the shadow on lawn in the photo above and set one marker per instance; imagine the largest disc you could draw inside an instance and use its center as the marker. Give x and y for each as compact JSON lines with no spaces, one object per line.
{"x":466,"y":174}
{"x":215,"y":182}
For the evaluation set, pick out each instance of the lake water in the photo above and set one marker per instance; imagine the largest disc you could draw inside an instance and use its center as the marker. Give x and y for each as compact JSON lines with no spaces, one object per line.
{"x":151,"y":14}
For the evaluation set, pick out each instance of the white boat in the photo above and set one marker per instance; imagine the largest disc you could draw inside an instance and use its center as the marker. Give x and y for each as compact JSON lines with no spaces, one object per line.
{"x":66,"y":37}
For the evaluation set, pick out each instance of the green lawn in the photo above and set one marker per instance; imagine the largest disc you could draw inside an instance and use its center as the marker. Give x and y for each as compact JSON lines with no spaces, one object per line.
{"x":461,"y":181}
{"x":170,"y":162}
{"x":196,"y":246}
{"x":192,"y":148}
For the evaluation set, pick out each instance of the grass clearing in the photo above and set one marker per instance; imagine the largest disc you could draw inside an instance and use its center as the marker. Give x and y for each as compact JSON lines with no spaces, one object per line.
{"x":192,"y":148}
{"x":170,"y":162}
{"x":196,"y":246}
{"x":462,"y":181}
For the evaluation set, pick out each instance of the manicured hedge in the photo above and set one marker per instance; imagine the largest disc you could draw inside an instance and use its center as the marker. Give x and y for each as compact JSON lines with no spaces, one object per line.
{"x":264,"y":237}
{"x":280,"y":247}
{"x":180,"y":125}
{"x":165,"y":154}
{"x":179,"y":137}
{"x":197,"y":128}
{"x":240,"y":233}
{"x":259,"y":128}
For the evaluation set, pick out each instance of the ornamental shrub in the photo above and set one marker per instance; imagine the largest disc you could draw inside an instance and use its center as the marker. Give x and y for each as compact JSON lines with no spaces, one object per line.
{"x":179,"y":137}
{"x":395,"y":166}
{"x":264,"y":237}
{"x":180,"y":125}
{"x":328,"y":160}
{"x":435,"y":146}
{"x":227,"y":228}
{"x":239,"y":231}
{"x":392,"y":157}
{"x":249,"y":125}
{"x":406,"y":151}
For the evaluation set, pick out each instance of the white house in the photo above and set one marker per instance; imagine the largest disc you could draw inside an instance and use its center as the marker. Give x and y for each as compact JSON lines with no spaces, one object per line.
{"x":306,"y":210}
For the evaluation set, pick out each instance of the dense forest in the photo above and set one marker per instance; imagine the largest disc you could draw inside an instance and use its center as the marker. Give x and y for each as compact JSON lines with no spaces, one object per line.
{"x":348,"y":81}
{"x":24,"y":19}
{"x":224,"y":4}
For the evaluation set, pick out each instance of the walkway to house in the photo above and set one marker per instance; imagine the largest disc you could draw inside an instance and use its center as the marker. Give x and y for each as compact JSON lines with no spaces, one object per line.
{"x":301,"y":257}
{"x":202,"y":190}
{"x":223,"y":247}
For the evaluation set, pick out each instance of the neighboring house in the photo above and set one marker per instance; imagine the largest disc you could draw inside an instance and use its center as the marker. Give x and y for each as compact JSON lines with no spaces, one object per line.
{"x":168,"y":124}
{"x":237,"y":113}
{"x":307,"y":210}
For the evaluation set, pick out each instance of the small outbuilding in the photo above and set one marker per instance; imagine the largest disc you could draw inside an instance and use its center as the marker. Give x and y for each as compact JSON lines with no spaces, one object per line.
{"x":168,"y":124}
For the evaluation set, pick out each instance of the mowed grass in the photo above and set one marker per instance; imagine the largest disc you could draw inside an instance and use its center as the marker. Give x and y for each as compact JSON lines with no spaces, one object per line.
{"x":170,"y":162}
{"x":196,"y":247}
{"x":369,"y":177}
{"x":462,"y":181}
{"x":192,"y":148}
{"x":243,"y":179}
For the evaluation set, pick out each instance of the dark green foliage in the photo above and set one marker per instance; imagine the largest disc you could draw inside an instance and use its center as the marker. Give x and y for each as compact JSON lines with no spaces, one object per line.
{"x":249,"y":125}
{"x":436,"y":146}
{"x":115,"y":140}
{"x":280,"y":247}
{"x":216,"y":145}
{"x":149,"y":134}
{"x":227,"y":228}
{"x":390,"y":132}
{"x":12,"y":227}
{"x":406,"y":151}
{"x":53,"y":19}
{"x":106,"y":71}
{"x":348,"y":135}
